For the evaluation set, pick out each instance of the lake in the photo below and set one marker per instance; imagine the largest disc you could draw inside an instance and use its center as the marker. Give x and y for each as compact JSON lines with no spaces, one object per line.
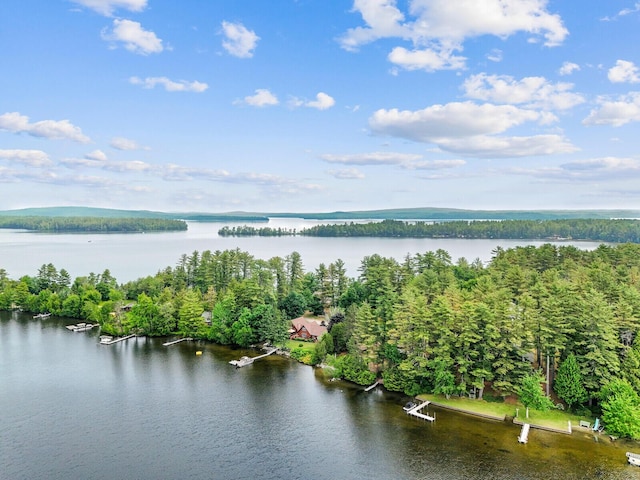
{"x":74,"y":409}
{"x":131,"y":256}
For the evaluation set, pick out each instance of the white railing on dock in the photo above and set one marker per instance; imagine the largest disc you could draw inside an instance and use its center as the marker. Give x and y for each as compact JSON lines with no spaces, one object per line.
{"x":188,"y":339}
{"x":415,"y":411}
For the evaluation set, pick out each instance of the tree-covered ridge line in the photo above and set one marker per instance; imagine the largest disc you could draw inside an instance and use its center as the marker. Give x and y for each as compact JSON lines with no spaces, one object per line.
{"x":420,"y":213}
{"x":615,"y":231}
{"x":92,"y":224}
{"x":557,"y":315}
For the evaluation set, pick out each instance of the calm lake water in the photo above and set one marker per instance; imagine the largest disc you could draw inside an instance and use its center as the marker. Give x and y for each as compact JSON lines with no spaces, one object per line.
{"x":74,"y":409}
{"x":131,"y":256}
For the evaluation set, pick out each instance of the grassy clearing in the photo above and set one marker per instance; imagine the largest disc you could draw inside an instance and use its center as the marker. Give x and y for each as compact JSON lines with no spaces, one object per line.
{"x":556,"y":419}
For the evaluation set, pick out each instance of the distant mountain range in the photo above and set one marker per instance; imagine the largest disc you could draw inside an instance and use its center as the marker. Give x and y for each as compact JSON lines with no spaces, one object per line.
{"x":394,"y":213}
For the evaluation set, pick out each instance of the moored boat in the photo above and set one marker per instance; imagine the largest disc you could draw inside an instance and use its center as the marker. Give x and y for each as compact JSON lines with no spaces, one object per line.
{"x":42,"y":316}
{"x":633,"y":458}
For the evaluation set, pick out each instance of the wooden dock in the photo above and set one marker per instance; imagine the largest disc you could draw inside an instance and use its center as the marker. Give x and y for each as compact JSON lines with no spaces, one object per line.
{"x":524,"y":433}
{"x":371,"y":387}
{"x":244,"y":361}
{"x":187,"y":339}
{"x":116,"y":340}
{"x":415,"y":411}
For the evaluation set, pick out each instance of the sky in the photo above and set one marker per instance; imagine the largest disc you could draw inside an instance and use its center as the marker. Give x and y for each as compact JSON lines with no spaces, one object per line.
{"x":320,"y":105}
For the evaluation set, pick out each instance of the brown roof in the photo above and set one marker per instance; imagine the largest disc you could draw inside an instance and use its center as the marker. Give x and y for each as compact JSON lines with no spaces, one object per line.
{"x":314,"y":328}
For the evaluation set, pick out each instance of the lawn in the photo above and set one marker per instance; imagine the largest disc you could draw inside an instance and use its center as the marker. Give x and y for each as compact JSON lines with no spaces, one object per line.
{"x":555,"y":419}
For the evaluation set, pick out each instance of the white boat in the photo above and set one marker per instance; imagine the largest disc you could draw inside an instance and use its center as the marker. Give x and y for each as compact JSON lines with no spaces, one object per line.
{"x":242,"y":362}
{"x":105,"y":339}
{"x":633,"y":458}
{"x":81,"y":327}
{"x":42,"y":316}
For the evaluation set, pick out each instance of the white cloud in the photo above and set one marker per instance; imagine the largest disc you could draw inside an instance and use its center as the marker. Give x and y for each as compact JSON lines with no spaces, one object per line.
{"x":51,"y":129}
{"x":623,"y":12}
{"x":170,"y":85}
{"x":624,"y":72}
{"x":31,"y":158}
{"x":373,"y":158}
{"x":426,"y":59}
{"x":240,"y":42}
{"x":453,"y":120}
{"x":107,"y":7}
{"x":529,"y":91}
{"x":262,"y":98}
{"x":434,"y":164}
{"x":470,"y":129}
{"x":346,"y":174}
{"x":322,"y":102}
{"x":495,"y":55}
{"x":97,"y":155}
{"x":615,"y":112}
{"x":135,"y":38}
{"x":587,"y":170}
{"x":568,"y":68}
{"x":120,"y":143}
{"x":440,"y":27}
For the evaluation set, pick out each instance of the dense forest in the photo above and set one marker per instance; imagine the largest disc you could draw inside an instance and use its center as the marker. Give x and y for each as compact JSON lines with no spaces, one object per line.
{"x":560,"y":317}
{"x":618,"y":231}
{"x":92,"y":224}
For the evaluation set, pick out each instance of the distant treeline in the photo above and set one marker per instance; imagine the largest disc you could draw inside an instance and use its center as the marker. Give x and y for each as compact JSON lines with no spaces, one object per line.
{"x":619,"y":231}
{"x":92,"y":224}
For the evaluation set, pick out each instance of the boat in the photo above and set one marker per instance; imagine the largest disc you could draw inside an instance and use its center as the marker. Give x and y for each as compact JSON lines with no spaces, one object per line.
{"x":409,"y":406}
{"x":42,"y":316}
{"x":105,"y":339}
{"x":633,"y":458}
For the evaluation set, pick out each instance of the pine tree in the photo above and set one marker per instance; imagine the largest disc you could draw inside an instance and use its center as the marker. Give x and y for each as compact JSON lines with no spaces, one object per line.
{"x":568,"y":385}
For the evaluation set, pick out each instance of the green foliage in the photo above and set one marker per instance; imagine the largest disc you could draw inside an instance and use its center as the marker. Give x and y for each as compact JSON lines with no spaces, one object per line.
{"x":620,"y":409}
{"x":568,"y":383}
{"x":92,"y":224}
{"x":353,"y":369}
{"x":531,"y":394}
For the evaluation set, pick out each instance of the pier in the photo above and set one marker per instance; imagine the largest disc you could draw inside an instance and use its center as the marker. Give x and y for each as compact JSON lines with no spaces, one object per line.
{"x":371,"y":387}
{"x":116,"y":340}
{"x":415,"y":411}
{"x":244,"y":361}
{"x":524,"y":433}
{"x":188,"y":339}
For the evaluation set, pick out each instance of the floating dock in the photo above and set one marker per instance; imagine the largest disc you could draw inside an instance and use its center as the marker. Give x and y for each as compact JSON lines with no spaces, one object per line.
{"x":116,"y":340}
{"x":524,"y":433}
{"x":415,"y":411}
{"x":244,"y":361}
{"x":188,"y":339}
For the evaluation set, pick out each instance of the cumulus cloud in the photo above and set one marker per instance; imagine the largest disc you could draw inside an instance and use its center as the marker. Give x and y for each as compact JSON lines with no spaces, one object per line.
{"x":440,"y":27}
{"x":51,"y":129}
{"x":170,"y":85}
{"x":121,"y":143}
{"x":135,"y":38}
{"x":262,"y":98}
{"x":469,"y":129}
{"x":535,"y":92}
{"x":624,"y":72}
{"x":31,"y":158}
{"x":568,"y":68}
{"x":239,"y":41}
{"x":97,"y":155}
{"x":615,"y":112}
{"x":107,"y":7}
{"x":322,"y":102}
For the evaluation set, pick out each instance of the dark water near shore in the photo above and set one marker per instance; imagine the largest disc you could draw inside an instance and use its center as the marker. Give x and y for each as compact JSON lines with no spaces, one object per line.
{"x":73,"y":409}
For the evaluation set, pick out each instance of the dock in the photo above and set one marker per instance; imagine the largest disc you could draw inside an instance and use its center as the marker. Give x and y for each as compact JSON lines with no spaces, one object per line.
{"x":244,"y":361}
{"x":371,"y":387}
{"x":116,"y":340}
{"x":415,"y":411}
{"x":524,"y":433}
{"x":188,"y":339}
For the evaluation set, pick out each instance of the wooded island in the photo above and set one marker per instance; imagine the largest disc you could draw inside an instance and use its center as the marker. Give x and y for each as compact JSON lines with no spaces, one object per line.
{"x":92,"y":224}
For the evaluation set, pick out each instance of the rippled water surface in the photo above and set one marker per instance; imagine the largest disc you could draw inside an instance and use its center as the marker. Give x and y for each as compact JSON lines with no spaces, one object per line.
{"x":71,"y":408}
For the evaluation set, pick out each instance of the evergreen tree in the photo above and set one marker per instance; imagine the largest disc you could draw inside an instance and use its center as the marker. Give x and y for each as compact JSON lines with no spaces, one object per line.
{"x":568,"y":383}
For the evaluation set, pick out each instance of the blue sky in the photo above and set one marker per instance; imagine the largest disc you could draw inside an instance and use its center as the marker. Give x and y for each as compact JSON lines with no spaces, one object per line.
{"x":317,"y":105}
